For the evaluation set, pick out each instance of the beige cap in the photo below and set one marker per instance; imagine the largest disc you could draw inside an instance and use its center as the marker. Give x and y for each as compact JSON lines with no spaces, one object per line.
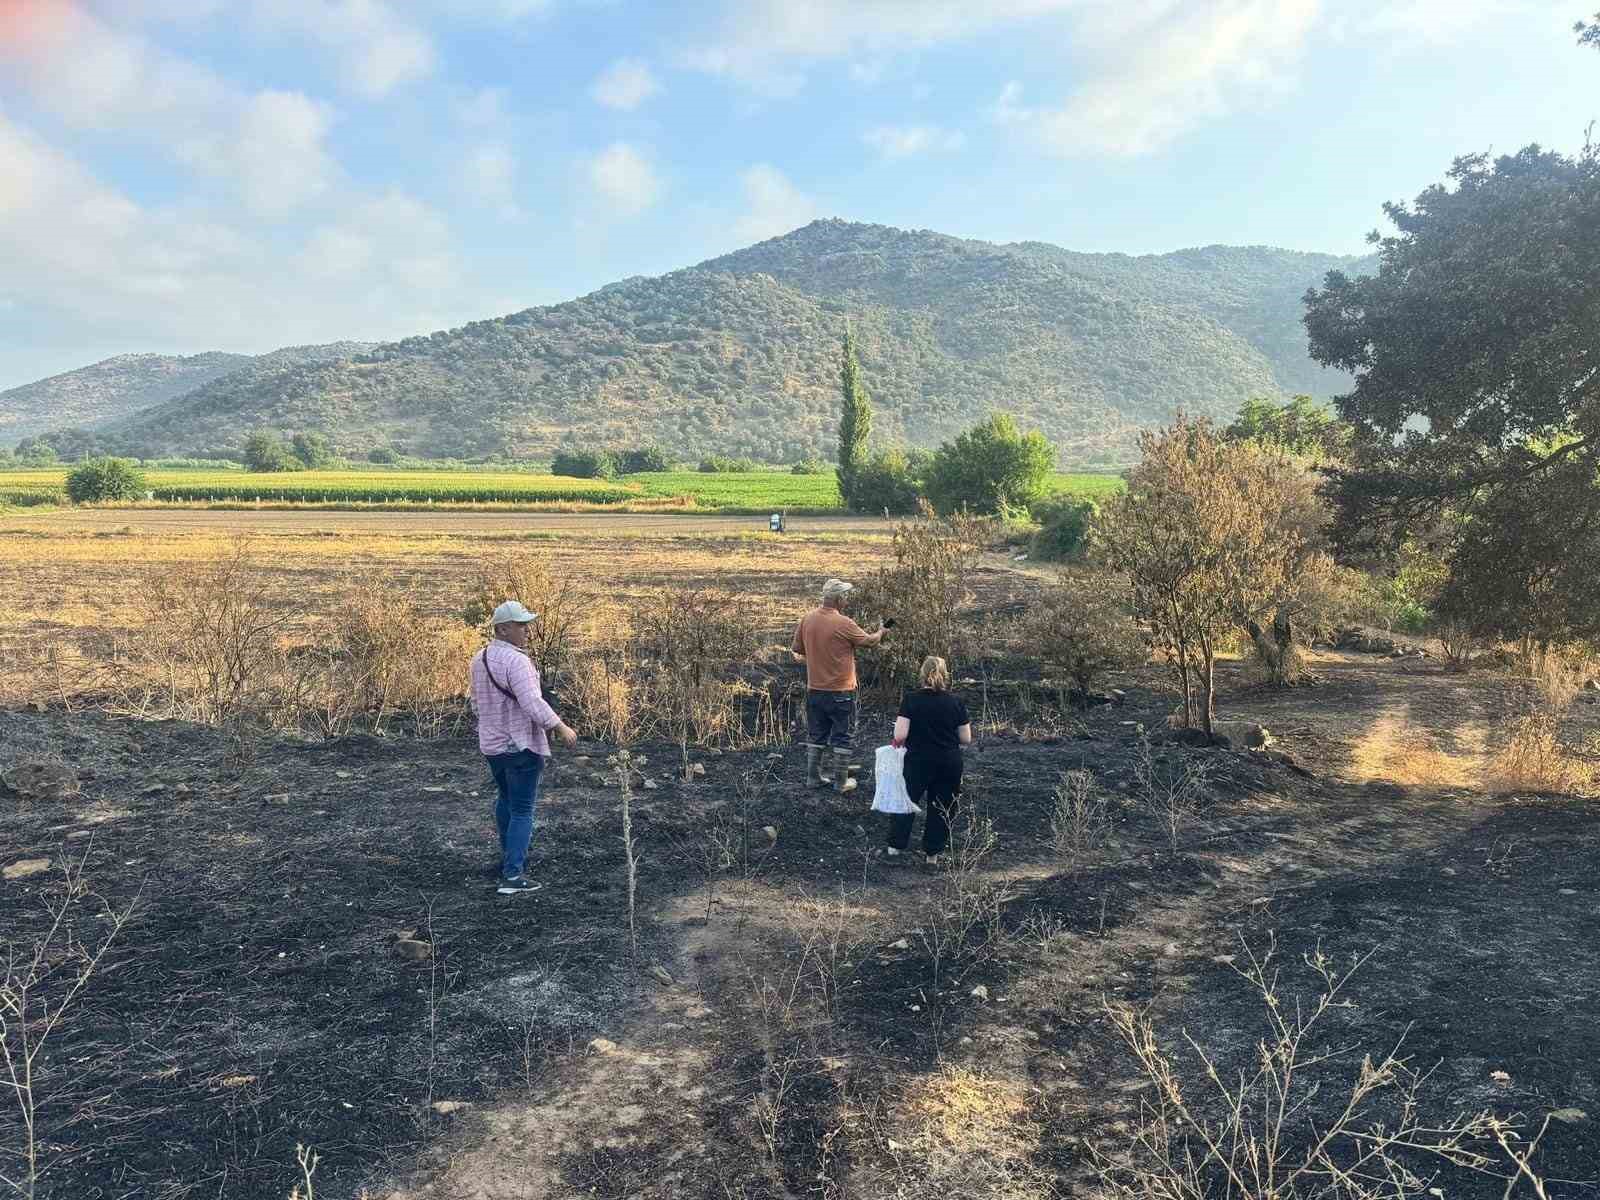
{"x":835,"y":588}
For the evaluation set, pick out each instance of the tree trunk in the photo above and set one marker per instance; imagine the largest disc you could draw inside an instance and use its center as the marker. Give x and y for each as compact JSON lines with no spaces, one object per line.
{"x":1276,"y":649}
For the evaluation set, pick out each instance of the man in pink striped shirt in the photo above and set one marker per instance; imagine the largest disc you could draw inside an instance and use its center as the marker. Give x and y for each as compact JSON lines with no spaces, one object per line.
{"x":514,"y":724}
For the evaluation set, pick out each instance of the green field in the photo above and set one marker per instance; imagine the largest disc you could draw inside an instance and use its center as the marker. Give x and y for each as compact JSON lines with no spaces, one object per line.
{"x":747,"y":491}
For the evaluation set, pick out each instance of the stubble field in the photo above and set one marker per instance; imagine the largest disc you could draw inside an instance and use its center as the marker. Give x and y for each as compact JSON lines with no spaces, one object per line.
{"x":820,"y":1025}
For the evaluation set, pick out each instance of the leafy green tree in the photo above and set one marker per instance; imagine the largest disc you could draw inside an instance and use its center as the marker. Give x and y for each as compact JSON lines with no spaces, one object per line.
{"x":855,"y":421}
{"x":383,"y":456}
{"x":990,"y":466}
{"x":1475,"y":406}
{"x":264,"y":450}
{"x":1588,"y":32}
{"x":1301,"y":427}
{"x":891,"y":481}
{"x":36,"y":452}
{"x":646,"y":458}
{"x":312,"y":449}
{"x":100,"y":479}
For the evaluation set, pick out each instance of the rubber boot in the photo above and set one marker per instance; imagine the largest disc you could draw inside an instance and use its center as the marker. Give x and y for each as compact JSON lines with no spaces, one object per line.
{"x":814,"y":776}
{"x":841,"y":772}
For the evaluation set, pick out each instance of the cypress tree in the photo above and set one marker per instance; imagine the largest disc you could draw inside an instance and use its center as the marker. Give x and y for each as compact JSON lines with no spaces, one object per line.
{"x":855,"y":421}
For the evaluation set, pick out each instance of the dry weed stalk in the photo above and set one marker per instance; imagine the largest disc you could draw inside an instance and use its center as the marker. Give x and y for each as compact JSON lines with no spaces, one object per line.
{"x":1080,"y":820}
{"x":42,"y":982}
{"x":307,"y":1159}
{"x":1174,"y":792}
{"x":563,"y":606}
{"x":1259,"y":1135}
{"x":623,"y":763}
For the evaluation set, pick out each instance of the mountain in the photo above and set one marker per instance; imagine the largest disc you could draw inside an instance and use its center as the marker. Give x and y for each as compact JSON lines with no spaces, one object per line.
{"x":117,"y":387}
{"x":739,"y":354}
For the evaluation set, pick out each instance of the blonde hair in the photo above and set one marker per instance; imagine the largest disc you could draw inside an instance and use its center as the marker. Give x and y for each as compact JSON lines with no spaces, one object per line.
{"x":934,"y":674}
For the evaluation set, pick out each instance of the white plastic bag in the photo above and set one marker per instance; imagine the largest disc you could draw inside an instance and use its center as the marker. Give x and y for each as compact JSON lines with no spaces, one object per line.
{"x":890,"y":795}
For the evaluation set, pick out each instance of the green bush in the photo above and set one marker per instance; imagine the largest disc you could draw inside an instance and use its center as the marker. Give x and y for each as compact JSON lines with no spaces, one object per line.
{"x":584,"y":464}
{"x":1063,"y":528}
{"x":383,"y":456}
{"x":645,"y":458}
{"x":265,"y":451}
{"x":891,"y":481}
{"x":989,"y":466}
{"x":101,"y":479}
{"x":810,"y":465}
{"x":717,"y":464}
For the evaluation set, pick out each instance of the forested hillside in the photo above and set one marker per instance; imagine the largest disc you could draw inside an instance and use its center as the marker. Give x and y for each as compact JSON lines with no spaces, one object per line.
{"x":738,"y":355}
{"x":116,"y":387}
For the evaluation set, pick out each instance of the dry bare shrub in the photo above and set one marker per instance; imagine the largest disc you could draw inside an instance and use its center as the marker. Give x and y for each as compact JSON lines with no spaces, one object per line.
{"x":1536,"y":759}
{"x":1080,"y":819}
{"x":42,"y":980}
{"x":1457,"y":643}
{"x":1176,"y":790}
{"x":209,"y":641}
{"x":1303,"y":1120}
{"x":924,"y":591}
{"x":1082,"y":625}
{"x":563,"y":605}
{"x":601,"y":693}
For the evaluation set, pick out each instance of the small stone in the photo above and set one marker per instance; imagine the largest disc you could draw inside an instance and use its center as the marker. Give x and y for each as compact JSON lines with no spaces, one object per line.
{"x":602,"y":1045}
{"x":902,"y":944}
{"x":341,"y":774}
{"x":445,"y":1107}
{"x":1223,"y":960}
{"x":276,"y":798}
{"x":26,"y":867}
{"x":413,"y":949}
{"x":1569,"y":1116}
{"x":698,"y":770}
{"x":1448,"y":871}
{"x":582,"y":758}
{"x":41,"y":779}
{"x":1117,"y":694}
{"x":1500,"y":1077}
{"x":966,"y":1041}
{"x":650,"y":785}
{"x":771,"y":831}
{"x":182,"y":789}
{"x":1569,"y":891}
{"x":1171,"y":950}
{"x":980,"y":992}
{"x":661,"y":975}
{"x":150,"y":789}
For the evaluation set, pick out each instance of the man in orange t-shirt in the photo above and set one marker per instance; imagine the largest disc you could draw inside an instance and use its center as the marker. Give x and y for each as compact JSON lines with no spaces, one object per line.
{"x":826,"y":642}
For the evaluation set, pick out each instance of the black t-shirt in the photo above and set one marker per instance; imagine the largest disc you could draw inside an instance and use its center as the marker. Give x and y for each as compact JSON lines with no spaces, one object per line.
{"x":935,"y":716}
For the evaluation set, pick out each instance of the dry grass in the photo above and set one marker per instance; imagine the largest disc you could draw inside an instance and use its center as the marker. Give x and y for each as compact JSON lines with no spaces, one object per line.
{"x":1535,"y":759}
{"x":1396,"y":751}
{"x":974,"y":1134}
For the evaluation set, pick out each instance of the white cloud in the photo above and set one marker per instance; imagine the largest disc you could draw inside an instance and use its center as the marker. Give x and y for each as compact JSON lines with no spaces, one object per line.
{"x":491,"y":170}
{"x":376,"y":48}
{"x":269,"y":145}
{"x":625,"y":84}
{"x":773,"y":205}
{"x":80,"y":253}
{"x":486,"y":106}
{"x":1143,"y":72}
{"x":903,"y":141}
{"x":1174,"y":71}
{"x":623,"y":179}
{"x":1433,"y":22}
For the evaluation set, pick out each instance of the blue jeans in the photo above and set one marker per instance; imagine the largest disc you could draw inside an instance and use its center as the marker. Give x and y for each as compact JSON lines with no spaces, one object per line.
{"x":516,"y":779}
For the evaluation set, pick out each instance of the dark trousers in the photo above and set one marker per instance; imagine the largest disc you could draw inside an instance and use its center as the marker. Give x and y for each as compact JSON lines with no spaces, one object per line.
{"x":516,"y":782}
{"x":935,"y":784}
{"x":829,"y":717}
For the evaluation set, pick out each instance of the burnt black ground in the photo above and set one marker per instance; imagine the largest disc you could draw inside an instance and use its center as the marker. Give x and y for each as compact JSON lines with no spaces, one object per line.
{"x":255,"y":1000}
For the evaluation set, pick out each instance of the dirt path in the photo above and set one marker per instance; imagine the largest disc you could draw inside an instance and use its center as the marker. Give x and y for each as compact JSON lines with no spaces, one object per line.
{"x":310,"y":521}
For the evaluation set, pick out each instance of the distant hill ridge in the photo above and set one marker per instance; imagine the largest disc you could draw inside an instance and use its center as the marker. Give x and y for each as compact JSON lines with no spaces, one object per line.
{"x":738,"y":355}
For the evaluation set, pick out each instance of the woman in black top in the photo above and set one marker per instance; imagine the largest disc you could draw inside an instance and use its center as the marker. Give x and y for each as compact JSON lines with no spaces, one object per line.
{"x":933,"y":726}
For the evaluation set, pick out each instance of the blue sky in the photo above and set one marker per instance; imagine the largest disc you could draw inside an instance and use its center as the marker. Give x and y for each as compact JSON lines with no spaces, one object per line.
{"x":185,"y":175}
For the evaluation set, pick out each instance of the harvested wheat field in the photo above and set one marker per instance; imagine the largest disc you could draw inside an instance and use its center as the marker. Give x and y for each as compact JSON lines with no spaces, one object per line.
{"x":308,"y":951}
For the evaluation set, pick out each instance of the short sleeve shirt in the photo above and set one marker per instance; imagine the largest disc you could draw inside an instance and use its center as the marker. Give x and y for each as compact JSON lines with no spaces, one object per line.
{"x":935,"y":717}
{"x":828,"y":640}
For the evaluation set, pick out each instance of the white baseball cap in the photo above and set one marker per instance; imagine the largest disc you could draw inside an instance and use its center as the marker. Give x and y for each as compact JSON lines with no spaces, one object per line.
{"x":513,"y":612}
{"x":836,"y":587}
